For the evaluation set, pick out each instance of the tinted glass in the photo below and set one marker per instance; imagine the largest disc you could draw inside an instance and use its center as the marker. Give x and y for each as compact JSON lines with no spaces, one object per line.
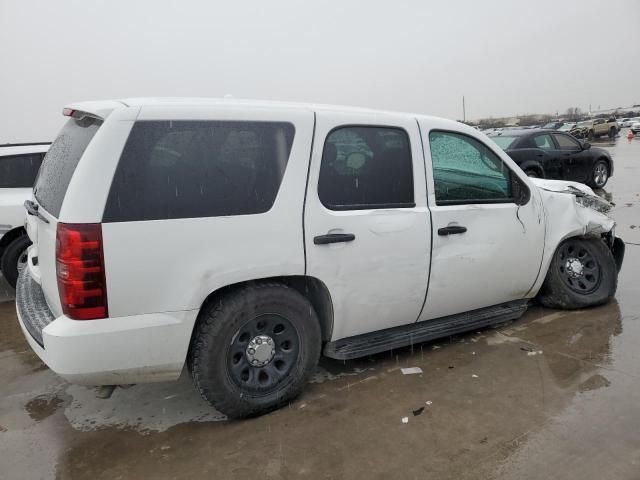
{"x":467,"y":171}
{"x":565,"y":142}
{"x":366,"y":167}
{"x":190,"y":169}
{"x":504,"y":142}
{"x":19,"y":171}
{"x":61,"y":161}
{"x":544,"y":142}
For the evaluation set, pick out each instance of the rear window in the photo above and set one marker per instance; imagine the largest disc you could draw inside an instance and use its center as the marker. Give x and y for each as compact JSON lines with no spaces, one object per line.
{"x":191,"y":169}
{"x":19,"y":171}
{"x":61,"y":161}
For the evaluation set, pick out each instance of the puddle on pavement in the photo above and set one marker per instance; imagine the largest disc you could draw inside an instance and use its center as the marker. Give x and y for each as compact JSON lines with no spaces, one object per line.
{"x":570,"y":411}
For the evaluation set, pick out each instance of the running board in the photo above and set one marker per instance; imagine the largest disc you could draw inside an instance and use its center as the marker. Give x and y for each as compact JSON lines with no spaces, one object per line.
{"x":404,"y":335}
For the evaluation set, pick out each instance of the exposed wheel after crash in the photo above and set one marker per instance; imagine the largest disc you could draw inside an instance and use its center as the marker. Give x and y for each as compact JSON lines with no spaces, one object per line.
{"x":245,"y":239}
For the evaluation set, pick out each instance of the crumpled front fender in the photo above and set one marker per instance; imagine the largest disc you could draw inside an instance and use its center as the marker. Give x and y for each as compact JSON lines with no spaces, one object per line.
{"x":571,"y":209}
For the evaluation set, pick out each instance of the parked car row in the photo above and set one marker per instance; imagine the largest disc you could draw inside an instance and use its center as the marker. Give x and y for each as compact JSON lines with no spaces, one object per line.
{"x":556,"y":154}
{"x":245,"y":239}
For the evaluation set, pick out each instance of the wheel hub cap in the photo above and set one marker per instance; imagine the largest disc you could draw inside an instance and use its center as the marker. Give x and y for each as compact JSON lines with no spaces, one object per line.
{"x":260,"y":350}
{"x":574,"y":267}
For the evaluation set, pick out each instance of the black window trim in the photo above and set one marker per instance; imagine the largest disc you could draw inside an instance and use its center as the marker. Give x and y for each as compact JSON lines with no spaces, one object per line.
{"x":368,"y":206}
{"x":487,"y":201}
{"x":275,"y":200}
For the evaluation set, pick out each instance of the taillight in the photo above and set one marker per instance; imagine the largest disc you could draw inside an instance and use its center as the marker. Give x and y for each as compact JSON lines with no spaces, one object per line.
{"x":80,"y":271}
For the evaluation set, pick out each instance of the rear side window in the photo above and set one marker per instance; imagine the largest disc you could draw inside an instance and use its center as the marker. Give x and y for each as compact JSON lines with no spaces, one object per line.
{"x":366,"y":167}
{"x":192,"y":169}
{"x":566,"y":142}
{"x":19,"y":171}
{"x":61,"y":161}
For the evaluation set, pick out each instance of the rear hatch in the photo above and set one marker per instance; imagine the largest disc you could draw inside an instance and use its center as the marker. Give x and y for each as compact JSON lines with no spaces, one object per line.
{"x":49,"y":192}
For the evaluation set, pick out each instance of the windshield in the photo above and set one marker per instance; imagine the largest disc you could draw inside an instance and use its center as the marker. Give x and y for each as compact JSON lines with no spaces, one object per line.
{"x":588,"y":123}
{"x":504,"y":142}
{"x":61,"y":161}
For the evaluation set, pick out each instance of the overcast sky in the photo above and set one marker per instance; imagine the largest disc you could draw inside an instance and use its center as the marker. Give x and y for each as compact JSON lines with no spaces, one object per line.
{"x":506,"y":57}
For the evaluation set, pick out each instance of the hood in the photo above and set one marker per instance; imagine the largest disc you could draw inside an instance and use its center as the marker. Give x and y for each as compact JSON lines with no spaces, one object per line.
{"x":584,"y":195}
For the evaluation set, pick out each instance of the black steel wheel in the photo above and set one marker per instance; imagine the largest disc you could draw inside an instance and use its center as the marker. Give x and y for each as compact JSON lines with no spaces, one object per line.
{"x":262,"y":353}
{"x":582,"y":273}
{"x":254,"y":349}
{"x":578,"y":267}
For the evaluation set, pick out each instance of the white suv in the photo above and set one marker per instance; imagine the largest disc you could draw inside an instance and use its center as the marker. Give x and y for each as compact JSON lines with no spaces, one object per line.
{"x":19,"y":165}
{"x":245,"y":238}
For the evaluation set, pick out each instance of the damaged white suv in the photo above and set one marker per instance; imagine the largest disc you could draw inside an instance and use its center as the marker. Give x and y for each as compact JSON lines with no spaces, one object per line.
{"x":245,"y":238}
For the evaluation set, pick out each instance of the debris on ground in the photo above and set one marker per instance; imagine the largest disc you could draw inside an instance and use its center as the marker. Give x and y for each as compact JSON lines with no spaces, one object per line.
{"x":474,"y":376}
{"x":418,"y":411}
{"x":451,"y":366}
{"x":428,"y":402}
{"x":484,"y":440}
{"x":405,"y":419}
{"x":411,"y":370}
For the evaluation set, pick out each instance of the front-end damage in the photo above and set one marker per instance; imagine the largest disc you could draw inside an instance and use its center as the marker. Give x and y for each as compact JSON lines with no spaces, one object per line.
{"x":572,"y":209}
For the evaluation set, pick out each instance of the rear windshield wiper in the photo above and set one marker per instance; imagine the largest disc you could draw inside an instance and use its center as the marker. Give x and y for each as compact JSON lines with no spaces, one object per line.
{"x":32,"y":209}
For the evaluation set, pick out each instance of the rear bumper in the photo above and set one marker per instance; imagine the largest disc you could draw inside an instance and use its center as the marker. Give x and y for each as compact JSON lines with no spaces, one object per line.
{"x":111,"y":351}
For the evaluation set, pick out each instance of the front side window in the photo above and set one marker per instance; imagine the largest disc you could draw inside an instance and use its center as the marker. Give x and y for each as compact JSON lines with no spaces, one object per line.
{"x":366,"y":167}
{"x":544,"y":142}
{"x":192,"y":169}
{"x":466,"y":171}
{"x":565,"y":142}
{"x":19,"y":171}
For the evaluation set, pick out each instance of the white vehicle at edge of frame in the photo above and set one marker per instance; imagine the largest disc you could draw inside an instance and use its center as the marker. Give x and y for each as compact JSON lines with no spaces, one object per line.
{"x":246,"y":238}
{"x":19,"y":164}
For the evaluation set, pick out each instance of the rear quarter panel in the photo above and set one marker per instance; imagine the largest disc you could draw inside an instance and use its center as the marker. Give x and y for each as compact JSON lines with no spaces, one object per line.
{"x":173,"y":265}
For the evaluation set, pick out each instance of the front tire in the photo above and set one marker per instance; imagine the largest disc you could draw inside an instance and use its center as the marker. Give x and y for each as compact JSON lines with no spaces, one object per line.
{"x":582,"y":274}
{"x":254,"y":349}
{"x":14,"y":259}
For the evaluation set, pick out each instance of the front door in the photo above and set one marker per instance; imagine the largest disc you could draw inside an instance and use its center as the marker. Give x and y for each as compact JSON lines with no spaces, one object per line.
{"x":366,"y":222}
{"x":576,"y":161}
{"x":487,"y":250}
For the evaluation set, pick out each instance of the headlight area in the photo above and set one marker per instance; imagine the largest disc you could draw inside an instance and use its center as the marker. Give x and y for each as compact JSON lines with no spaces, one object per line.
{"x":593,"y":202}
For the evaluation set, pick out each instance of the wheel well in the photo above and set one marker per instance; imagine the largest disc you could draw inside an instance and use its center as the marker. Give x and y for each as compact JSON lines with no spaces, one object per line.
{"x":536,"y":167}
{"x":314,"y":290}
{"x":9,"y":237}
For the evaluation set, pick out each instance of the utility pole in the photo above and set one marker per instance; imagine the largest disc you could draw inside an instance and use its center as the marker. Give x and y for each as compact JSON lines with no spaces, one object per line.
{"x":464,"y":112}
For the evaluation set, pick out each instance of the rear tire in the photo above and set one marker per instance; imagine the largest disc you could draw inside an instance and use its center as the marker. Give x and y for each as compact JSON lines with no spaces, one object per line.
{"x":599,"y":175}
{"x":613,"y":131}
{"x":591,"y":135}
{"x":14,"y":259}
{"x":532,"y":173}
{"x":254,"y":349}
{"x":582,"y":274}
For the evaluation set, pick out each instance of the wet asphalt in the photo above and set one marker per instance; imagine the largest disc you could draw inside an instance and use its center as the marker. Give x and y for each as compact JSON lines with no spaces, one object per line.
{"x":555,"y":394}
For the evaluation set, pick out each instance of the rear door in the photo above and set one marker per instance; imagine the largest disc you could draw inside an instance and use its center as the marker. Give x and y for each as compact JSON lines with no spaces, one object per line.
{"x":367,"y":225}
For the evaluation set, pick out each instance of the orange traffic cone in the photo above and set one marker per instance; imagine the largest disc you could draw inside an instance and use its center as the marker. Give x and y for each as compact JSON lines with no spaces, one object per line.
{"x":629,"y":135}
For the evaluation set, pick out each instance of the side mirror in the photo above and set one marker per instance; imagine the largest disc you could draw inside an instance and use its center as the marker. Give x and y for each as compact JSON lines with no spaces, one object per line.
{"x":586,"y":146}
{"x":519,"y":190}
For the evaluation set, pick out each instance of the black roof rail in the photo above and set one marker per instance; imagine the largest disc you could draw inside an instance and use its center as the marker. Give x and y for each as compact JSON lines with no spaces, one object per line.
{"x":24,"y":144}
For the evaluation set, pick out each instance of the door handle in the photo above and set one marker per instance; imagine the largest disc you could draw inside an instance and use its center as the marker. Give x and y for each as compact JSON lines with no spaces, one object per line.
{"x":451,"y":230}
{"x":333,"y":238}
